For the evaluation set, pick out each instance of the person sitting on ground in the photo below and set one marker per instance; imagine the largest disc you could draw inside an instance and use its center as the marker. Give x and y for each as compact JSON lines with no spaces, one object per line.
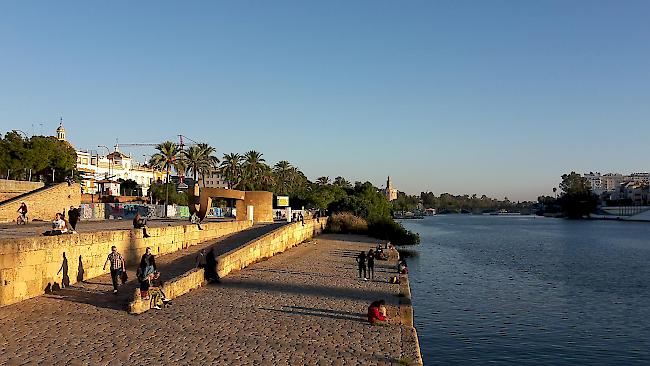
{"x":58,"y":226}
{"x":140,"y":223}
{"x":379,"y":253}
{"x":402,"y":268}
{"x":375,"y":316}
{"x":158,"y":298}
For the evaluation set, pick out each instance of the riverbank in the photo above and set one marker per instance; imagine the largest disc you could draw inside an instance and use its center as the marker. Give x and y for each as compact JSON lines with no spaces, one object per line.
{"x":305,"y":306}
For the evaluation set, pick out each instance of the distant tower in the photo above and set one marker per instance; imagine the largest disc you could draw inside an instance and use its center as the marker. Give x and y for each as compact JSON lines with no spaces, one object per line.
{"x":60,"y":132}
{"x":391,"y":193}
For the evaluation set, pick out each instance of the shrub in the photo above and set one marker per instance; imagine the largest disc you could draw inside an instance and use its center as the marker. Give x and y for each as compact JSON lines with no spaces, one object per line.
{"x":388,"y":229}
{"x":346,"y":223}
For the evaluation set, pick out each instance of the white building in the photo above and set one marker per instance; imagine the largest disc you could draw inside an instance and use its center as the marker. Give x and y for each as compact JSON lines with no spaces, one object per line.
{"x":114,"y":166}
{"x":595,"y":181}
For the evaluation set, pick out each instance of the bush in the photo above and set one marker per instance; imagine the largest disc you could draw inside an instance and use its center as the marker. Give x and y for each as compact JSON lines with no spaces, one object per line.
{"x":388,"y":229}
{"x":346,"y":223}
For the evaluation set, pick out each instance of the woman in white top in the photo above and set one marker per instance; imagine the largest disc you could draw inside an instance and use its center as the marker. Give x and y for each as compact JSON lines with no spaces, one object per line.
{"x":58,"y":226}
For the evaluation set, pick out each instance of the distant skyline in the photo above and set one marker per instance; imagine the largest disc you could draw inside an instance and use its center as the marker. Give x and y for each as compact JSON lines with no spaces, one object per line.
{"x":498,"y":98}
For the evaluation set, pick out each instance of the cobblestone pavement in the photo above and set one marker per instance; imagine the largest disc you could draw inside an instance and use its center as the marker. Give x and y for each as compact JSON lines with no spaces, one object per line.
{"x":37,"y":228}
{"x":303,"y":307}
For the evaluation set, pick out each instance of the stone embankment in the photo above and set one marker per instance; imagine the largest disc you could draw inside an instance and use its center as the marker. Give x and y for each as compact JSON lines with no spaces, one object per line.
{"x":31,"y":266}
{"x":304,"y":307}
{"x":265,"y":246}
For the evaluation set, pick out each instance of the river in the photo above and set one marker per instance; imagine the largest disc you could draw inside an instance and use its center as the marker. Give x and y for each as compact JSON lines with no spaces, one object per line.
{"x":529,"y":290}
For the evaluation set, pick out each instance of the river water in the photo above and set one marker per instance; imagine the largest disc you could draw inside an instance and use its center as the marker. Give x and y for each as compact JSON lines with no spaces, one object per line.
{"x":531,"y":291}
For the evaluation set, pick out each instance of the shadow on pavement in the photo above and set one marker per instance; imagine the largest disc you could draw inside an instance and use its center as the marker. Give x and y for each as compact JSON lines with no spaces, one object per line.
{"x":316,"y":290}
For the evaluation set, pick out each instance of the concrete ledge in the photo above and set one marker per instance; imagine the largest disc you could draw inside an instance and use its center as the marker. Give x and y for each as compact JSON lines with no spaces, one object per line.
{"x":173,"y":288}
{"x":268,"y":245}
{"x":409,"y":334}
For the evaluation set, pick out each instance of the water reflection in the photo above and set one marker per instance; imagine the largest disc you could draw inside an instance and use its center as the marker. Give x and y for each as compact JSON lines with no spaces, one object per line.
{"x":531,"y":291}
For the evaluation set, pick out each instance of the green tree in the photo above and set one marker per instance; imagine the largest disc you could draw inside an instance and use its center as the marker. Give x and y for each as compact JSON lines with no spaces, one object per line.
{"x":166,"y":158}
{"x":252,"y":167}
{"x":231,"y":169}
{"x":342,"y":182}
{"x":577,"y":200}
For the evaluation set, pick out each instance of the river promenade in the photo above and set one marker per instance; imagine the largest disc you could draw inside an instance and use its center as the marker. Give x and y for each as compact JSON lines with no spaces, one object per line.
{"x":303,"y":307}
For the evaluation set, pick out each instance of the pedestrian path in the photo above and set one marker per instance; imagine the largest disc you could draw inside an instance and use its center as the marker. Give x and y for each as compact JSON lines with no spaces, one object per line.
{"x":303,"y":307}
{"x":98,"y":291}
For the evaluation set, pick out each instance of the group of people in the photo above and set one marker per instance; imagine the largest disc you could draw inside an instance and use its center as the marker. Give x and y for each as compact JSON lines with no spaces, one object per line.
{"x":146,"y":274}
{"x":62,"y":226}
{"x":366,"y":261}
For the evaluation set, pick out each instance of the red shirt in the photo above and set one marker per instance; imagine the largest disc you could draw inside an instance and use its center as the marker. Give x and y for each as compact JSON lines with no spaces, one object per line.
{"x":374,"y":315}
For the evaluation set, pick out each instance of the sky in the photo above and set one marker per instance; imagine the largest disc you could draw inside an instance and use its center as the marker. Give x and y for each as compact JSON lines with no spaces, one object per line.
{"x":487,"y":97}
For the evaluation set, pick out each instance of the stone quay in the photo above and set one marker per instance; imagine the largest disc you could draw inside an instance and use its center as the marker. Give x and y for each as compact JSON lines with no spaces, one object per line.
{"x":305,"y":306}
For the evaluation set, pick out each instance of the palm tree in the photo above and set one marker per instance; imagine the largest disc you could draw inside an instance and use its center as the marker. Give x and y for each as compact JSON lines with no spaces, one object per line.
{"x":266,"y":178}
{"x":282,"y":171}
{"x":200,"y":160}
{"x":342,"y":182}
{"x":322,"y":181}
{"x":211,"y":161}
{"x":230,"y":169}
{"x":252,"y":168}
{"x":165,"y":159}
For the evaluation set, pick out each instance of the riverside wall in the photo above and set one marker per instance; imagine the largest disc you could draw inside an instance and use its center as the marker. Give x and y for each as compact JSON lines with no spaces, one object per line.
{"x":31,"y":266}
{"x":265,"y":246}
{"x":12,"y":188}
{"x":409,"y":335}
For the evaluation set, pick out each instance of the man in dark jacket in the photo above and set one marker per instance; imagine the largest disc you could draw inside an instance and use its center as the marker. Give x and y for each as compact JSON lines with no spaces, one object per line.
{"x":73,"y":217}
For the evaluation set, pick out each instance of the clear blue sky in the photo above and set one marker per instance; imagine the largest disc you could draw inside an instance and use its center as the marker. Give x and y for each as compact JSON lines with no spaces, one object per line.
{"x":494,"y":97}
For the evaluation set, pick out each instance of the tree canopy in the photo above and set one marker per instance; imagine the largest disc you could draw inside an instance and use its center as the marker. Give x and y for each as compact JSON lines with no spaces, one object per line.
{"x":42,"y":155}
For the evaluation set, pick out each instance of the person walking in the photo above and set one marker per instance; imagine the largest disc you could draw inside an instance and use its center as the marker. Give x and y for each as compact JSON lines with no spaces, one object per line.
{"x":361,"y":261}
{"x":370,"y":258}
{"x":117,"y":266}
{"x":73,"y":217}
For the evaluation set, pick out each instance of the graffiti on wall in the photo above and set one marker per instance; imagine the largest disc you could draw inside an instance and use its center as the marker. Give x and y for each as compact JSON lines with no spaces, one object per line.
{"x":102,"y":211}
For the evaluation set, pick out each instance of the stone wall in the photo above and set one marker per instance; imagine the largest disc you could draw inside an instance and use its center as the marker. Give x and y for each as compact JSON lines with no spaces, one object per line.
{"x":29,"y":266}
{"x":262,"y":203}
{"x":265,"y":246}
{"x":409,"y":334}
{"x":268,"y":245}
{"x":43,"y":204}
{"x":12,"y":188}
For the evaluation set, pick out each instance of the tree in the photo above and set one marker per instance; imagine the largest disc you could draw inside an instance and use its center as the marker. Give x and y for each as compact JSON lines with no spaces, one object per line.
{"x":199,"y":160}
{"x":577,"y":200}
{"x":22,"y":158}
{"x":342,"y":182}
{"x":322,"y":181}
{"x":166,"y":158}
{"x":252,"y":166}
{"x":282,"y":173}
{"x":231,"y":169}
